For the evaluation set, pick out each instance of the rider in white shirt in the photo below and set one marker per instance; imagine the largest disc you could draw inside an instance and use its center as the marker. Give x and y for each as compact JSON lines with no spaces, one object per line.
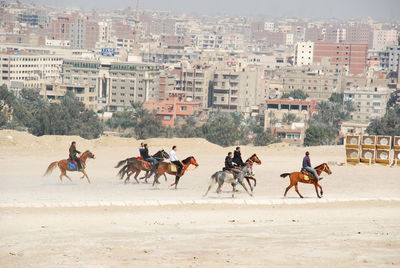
{"x":175,"y":160}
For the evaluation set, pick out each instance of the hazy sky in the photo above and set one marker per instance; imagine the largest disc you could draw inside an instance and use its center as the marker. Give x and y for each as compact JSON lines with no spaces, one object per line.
{"x":381,"y":9}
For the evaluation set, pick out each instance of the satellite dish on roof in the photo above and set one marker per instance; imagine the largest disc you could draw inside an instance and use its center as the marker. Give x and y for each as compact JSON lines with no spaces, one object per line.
{"x":189,"y":99}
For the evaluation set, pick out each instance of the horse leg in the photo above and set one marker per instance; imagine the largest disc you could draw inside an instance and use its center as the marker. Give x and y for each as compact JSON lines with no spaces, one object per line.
{"x":155,"y":179}
{"x":165,"y":176}
{"x":209,"y":187}
{"x":297,"y":190}
{"x":248,"y":181}
{"x":219,"y":188}
{"x":245,"y":188}
{"x":65,"y":174}
{"x":136,"y":175}
{"x":322,"y":193}
{"x":288,"y":188}
{"x":316,"y":190}
{"x":128,"y":177}
{"x":87,"y":177}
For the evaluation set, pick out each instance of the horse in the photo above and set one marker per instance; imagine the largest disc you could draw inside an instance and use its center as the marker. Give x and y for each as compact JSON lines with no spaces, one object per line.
{"x":222,"y":177}
{"x":165,"y":167}
{"x":296,"y":177}
{"x":64,"y":166}
{"x":134,"y":165}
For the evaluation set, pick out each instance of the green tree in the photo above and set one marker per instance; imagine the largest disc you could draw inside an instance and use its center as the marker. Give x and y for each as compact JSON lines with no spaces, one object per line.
{"x":149,"y":126}
{"x":264,"y":138}
{"x":320,"y":134}
{"x":296,"y":94}
{"x":222,"y":129}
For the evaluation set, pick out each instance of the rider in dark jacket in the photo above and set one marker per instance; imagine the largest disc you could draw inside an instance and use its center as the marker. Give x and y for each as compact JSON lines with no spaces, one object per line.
{"x":237,"y":157}
{"x":229,"y":166}
{"x":149,"y":159}
{"x":73,"y":154}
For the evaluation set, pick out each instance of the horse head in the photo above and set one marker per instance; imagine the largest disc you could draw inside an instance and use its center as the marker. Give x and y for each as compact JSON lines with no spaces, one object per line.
{"x":324,"y":168}
{"x":88,"y":154}
{"x":255,"y":159}
{"x":164,"y":154}
{"x":191,"y":160}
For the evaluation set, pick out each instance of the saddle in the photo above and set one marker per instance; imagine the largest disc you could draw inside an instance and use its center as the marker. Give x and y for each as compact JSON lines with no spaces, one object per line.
{"x":307,"y":175}
{"x":227,"y":170}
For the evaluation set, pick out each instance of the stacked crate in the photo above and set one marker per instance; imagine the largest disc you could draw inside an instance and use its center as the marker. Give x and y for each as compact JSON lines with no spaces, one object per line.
{"x":397,"y":150}
{"x":383,"y":145}
{"x":353,"y":149}
{"x":368,"y":146}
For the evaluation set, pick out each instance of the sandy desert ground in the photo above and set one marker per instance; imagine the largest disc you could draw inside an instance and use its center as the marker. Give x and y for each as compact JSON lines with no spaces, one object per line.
{"x":48,"y":223}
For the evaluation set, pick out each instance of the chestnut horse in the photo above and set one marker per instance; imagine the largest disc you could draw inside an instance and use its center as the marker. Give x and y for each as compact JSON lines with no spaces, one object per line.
{"x":64,"y":166}
{"x":165,"y":167}
{"x":296,"y":177}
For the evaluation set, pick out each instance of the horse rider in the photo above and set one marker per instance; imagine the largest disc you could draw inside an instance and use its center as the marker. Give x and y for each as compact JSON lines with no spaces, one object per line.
{"x":72,"y":154}
{"x":229,"y":166}
{"x":307,"y":166}
{"x":237,"y":158}
{"x":145,"y":155}
{"x":141,"y":149}
{"x":179,"y":166}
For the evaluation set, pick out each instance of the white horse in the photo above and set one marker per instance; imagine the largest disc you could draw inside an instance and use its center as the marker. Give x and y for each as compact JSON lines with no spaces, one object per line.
{"x":222,"y":177}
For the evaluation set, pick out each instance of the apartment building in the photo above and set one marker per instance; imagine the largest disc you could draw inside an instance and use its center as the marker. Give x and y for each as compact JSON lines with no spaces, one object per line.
{"x":304,"y":53}
{"x":370,"y":102}
{"x":237,"y":90}
{"x":317,"y":81}
{"x":86,"y":94}
{"x":117,"y":84}
{"x":384,"y":38}
{"x":176,"y":106}
{"x":351,"y":57}
{"x":195,"y":82}
{"x":30,"y":70}
{"x":79,"y":30}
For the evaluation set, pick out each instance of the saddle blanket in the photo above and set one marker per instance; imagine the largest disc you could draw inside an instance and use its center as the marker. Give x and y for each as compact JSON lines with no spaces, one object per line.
{"x":72,"y":165}
{"x":173,"y":168}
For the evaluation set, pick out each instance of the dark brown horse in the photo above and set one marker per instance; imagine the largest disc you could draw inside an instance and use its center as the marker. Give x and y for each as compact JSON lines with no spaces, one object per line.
{"x":135,"y":165}
{"x":165,"y":167}
{"x":296,"y":177}
{"x":64,"y":166}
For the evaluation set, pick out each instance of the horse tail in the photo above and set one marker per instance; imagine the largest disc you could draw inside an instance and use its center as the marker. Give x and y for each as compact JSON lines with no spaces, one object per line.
{"x":122,"y":162}
{"x":214,"y":178}
{"x":122,"y":171}
{"x":284,"y":175}
{"x":51,"y":167}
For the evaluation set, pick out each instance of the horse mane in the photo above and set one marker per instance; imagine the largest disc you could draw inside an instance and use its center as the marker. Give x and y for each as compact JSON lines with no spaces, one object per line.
{"x":187,"y":160}
{"x":251,"y":157}
{"x":320,"y":165}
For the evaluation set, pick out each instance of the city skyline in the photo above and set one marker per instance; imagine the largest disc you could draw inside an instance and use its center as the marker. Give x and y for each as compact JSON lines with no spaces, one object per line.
{"x":267,"y":8}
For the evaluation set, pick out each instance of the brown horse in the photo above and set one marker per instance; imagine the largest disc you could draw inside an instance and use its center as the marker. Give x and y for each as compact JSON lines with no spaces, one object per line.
{"x":296,"y":177}
{"x":135,"y":165}
{"x":64,"y":166}
{"x":165,"y":167}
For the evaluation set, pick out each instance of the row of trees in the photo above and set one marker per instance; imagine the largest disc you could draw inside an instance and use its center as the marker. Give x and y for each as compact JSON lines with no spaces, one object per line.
{"x":29,"y":111}
{"x":220,"y":128}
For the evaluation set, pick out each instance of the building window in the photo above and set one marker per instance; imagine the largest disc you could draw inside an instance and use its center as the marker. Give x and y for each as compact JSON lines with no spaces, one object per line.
{"x":183,"y":108}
